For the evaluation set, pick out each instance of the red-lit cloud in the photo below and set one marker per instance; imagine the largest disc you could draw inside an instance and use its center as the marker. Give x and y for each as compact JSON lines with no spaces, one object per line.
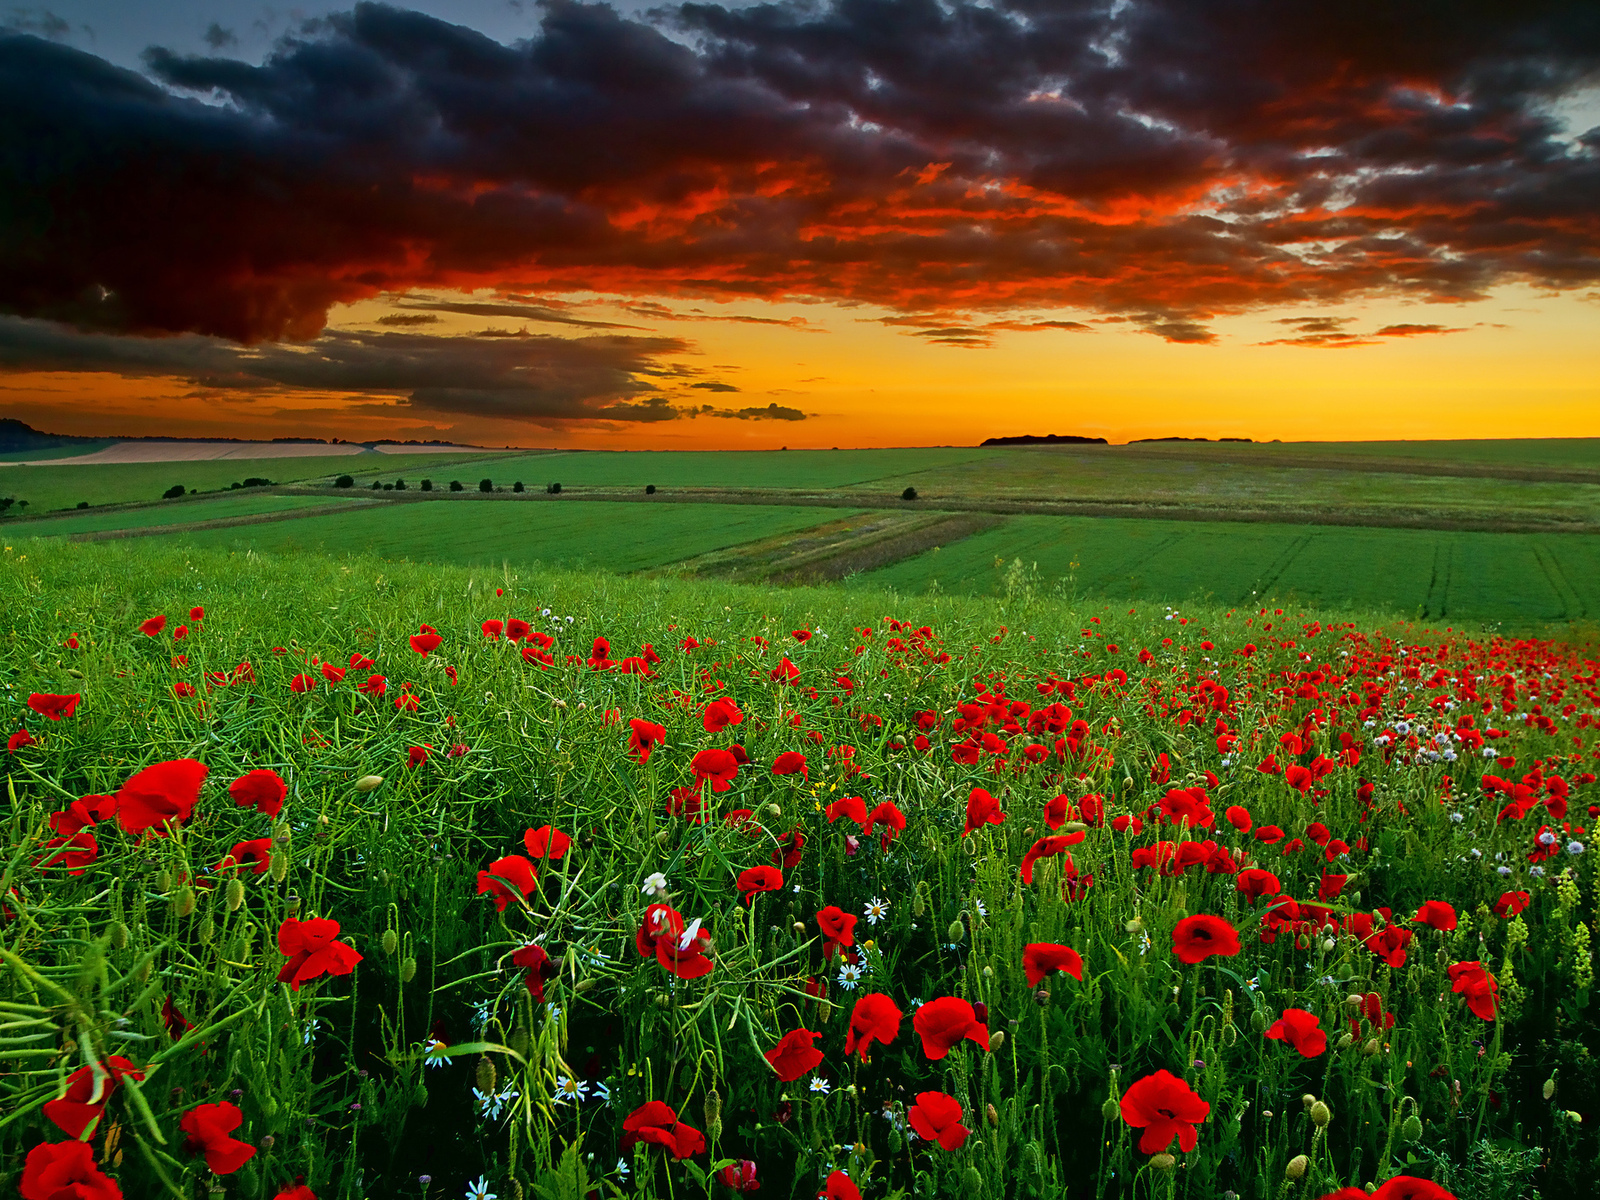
{"x":1161,"y":161}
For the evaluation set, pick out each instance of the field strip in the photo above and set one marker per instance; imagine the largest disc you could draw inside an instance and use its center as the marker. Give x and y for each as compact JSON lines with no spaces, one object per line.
{"x":1279,"y":565}
{"x":1133,"y":509}
{"x":1559,"y":583}
{"x":321,"y":510}
{"x":1359,"y":464}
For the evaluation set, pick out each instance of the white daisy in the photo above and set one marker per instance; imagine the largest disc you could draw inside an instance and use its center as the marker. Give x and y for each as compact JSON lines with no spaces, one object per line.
{"x":655,"y":885}
{"x":569,"y":1089}
{"x":876,"y":911}
{"x":849,"y":976}
{"x":434,"y":1053}
{"x":480,"y":1190}
{"x":820,"y":1085}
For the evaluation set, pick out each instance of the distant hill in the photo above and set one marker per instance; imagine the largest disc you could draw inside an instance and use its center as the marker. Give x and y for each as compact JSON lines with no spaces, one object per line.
{"x":16,"y":437}
{"x":1049,"y":439}
{"x":1140,"y":441}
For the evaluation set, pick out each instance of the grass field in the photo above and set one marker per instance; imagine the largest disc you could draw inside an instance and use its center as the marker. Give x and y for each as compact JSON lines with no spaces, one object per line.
{"x":1519,"y":578}
{"x":236,"y":504}
{"x":1148,"y":906}
{"x":49,"y":488}
{"x":614,"y":537}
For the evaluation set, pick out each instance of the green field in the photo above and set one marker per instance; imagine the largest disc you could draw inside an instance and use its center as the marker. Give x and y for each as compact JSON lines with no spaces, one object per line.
{"x":615,"y":537}
{"x":49,"y":488}
{"x":1487,"y":576}
{"x":236,"y":504}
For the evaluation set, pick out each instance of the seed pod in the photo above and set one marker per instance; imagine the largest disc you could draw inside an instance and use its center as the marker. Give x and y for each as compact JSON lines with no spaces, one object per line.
{"x":956,"y":932}
{"x":207,"y":930}
{"x":919,"y":906}
{"x":1230,"y":1034}
{"x":1575,"y":1117}
{"x":1411,"y":1128}
{"x":1321,"y":1114}
{"x":1297,"y":1167}
{"x":282,"y":835}
{"x":408,"y":969}
{"x":825,"y":1010}
{"x":1307,"y":1100}
{"x":519,"y":1040}
{"x":1550,"y":1086}
{"x":1258,"y":1021}
{"x":1163,"y":1161}
{"x":972,"y":1181}
{"x":1041,"y":996}
{"x":119,"y":937}
{"x":1346,"y":1041}
{"x":774,"y":810}
{"x":235,"y":894}
{"x":994,"y":1116}
{"x":997,"y":1039}
{"x":1371,"y":1048}
{"x":368,"y":782}
{"x":184,"y":902}
{"x":713,"y":1115}
{"x":486,"y":1075}
{"x":1110,"y":1110}
{"x":278,"y":867}
{"x":583,"y":985}
{"x":163,"y":881}
{"x":391,"y":941}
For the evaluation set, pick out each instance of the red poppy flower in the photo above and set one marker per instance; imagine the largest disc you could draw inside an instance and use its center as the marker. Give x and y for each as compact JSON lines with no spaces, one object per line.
{"x":790,"y":762}
{"x":1330,"y":887}
{"x":53,"y":707}
{"x":492,"y":629}
{"x":790,"y":850}
{"x":256,"y":854}
{"x":838,"y":1186}
{"x":1256,"y":883}
{"x":656,"y":1122}
{"x":740,"y":1176}
{"x":298,"y":1191}
{"x":721,"y":713}
{"x":538,"y":964}
{"x":1390,"y":945}
{"x":1471,"y":980}
{"x":426,"y":642}
{"x":151,"y":626}
{"x":982,"y":809}
{"x":313,"y":951}
{"x":1197,"y":938}
{"x":1301,"y":1030}
{"x":758,"y":879}
{"x":944,"y":1022}
{"x":679,"y":948}
{"x":1437,"y":915}
{"x":720,"y":767}
{"x":838,"y":928}
{"x":1165,"y":1107}
{"x":785,"y":671}
{"x":1407,"y":1187}
{"x":517,"y":629}
{"x":1239,"y":817}
{"x":507,"y":879}
{"x":937,"y":1117}
{"x":1511,"y":903}
{"x":302,"y":683}
{"x":887,"y":814}
{"x":83,"y":813}
{"x":76,"y":852}
{"x":18,"y":740}
{"x":373,"y":685}
{"x":173,"y":1021}
{"x":261,"y":789}
{"x":77,"y":1110}
{"x":546,"y":842}
{"x":332,"y":673}
{"x":794,"y":1055}
{"x":1048,"y":847}
{"x":1039,"y":959}
{"x":209,"y":1127}
{"x":686,"y":802}
{"x":65,"y":1171}
{"x":875,"y":1018}
{"x":643,"y":738}
{"x":1269,"y":835}
{"x":160,"y":793}
{"x":417,"y":755}
{"x":853,"y":807}
{"x":1057,"y":812}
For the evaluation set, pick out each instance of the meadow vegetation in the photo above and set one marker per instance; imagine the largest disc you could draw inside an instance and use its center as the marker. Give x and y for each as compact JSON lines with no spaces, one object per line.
{"x":351,"y":878}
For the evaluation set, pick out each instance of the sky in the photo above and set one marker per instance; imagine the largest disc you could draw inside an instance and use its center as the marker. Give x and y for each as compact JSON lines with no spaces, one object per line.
{"x":838,"y":223}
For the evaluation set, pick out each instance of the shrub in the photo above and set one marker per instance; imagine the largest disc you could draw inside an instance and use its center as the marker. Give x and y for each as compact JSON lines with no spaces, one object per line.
{"x":517,"y":486}
{"x":83,"y":504}
{"x":554,"y":489}
{"x":376,"y":485}
{"x":235,"y":486}
{"x":388,"y":487}
{"x":650,"y":489}
{"x":399,"y":485}
{"x":173,"y":492}
{"x":909,"y":494}
{"x":257,"y":481}
{"x":486,"y":485}
{"x":427,"y":485}
{"x":455,"y":485}
{"x":344,"y":481}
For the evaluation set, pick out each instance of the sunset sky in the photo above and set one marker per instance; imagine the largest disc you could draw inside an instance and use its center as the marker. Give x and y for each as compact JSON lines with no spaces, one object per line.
{"x":833,"y":224}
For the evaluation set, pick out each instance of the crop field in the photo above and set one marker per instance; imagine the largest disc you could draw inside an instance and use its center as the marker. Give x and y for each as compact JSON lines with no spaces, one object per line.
{"x":1437,"y":575}
{"x":615,"y":537}
{"x":47,"y":488}
{"x":363,"y":880}
{"x":235,"y":504}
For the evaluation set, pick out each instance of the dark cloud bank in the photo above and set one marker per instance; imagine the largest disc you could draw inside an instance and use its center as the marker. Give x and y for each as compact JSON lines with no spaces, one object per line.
{"x":1160,"y":160}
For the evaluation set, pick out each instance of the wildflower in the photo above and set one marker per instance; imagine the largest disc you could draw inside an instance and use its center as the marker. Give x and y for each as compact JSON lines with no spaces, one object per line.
{"x":65,"y":1169}
{"x":875,"y":1018}
{"x":876,"y":911}
{"x":426,"y":642}
{"x":1301,"y":1030}
{"x":945,"y":1022}
{"x":849,"y":976}
{"x":1197,"y":938}
{"x":1471,"y":980}
{"x":790,"y":762}
{"x":508,"y":878}
{"x":208,"y":1128}
{"x":819,"y":1085}
{"x":755,"y":880}
{"x":312,"y":951}
{"x":838,"y":928}
{"x":643,"y":738}
{"x":1039,"y":959}
{"x":655,"y":885}
{"x":546,"y":842}
{"x":53,"y":707}
{"x":718,"y":767}
{"x":1437,"y":915}
{"x":937,"y":1117}
{"x":435,"y":1053}
{"x":794,"y":1055}
{"x":569,"y":1089}
{"x":1165,"y":1107}
{"x":263,"y":790}
{"x":838,"y":1186}
{"x":166,"y":791}
{"x":538,"y":964}
{"x":74,"y":1111}
{"x":982,"y":809}
{"x":478,"y":1190}
{"x":657,"y":1123}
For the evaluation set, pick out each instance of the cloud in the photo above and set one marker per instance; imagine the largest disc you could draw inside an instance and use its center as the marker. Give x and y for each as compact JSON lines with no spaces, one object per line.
{"x":538,"y":379}
{"x":408,"y":319}
{"x":1328,"y":333}
{"x":1413,"y":330}
{"x":1164,"y":161}
{"x":712,"y":385}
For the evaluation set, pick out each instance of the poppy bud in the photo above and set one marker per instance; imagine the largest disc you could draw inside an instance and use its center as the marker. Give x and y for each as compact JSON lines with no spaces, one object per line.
{"x":1041,"y":997}
{"x":268,"y":1142}
{"x":1163,"y":1161}
{"x":800,"y":928}
{"x":1321,"y":1114}
{"x":663,"y":837}
{"x":278,"y":867}
{"x":1346,"y":1041}
{"x":74,"y":672}
{"x":824,"y":1010}
{"x":235,"y":895}
{"x":918,"y":906}
{"x":391,"y":941}
{"x":994,"y":1116}
{"x":774,"y":810}
{"x":1355,"y":899}
{"x":663,"y":1000}
{"x":119,"y":939}
{"x":1411,"y":1128}
{"x":142,"y":971}
{"x":408,"y":969}
{"x":972,"y":1181}
{"x":1307,"y":1100}
{"x":713,"y":1115}
{"x":183,"y":904}
{"x":519,"y":1040}
{"x":1134,"y":926}
{"x":1574,"y":1117}
{"x":292,"y":908}
{"x":1297,"y":1167}
{"x":1258,"y":1021}
{"x":981,"y":1012}
{"x":207,"y":931}
{"x":997,"y":1039}
{"x":163,"y":880}
{"x":956,"y":932}
{"x":486,"y":1075}
{"x":1550,"y":1086}
{"x":1371,"y":1048}
{"x":1328,"y":945}
{"x":988,"y":973}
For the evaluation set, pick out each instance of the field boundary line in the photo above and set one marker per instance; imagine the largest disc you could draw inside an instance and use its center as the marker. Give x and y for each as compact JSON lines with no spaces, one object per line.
{"x":107,"y":535}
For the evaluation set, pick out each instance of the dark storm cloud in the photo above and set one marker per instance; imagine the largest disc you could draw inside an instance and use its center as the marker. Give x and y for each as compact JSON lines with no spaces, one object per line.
{"x":1160,"y":160}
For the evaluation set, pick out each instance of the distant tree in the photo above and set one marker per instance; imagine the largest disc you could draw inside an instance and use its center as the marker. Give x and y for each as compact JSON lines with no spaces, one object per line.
{"x":427,"y":485}
{"x":173,"y":492}
{"x":650,"y":489}
{"x":257,"y":481}
{"x":399,"y":485}
{"x":344,"y":481}
{"x":517,"y":486}
{"x":83,"y":504}
{"x":388,"y":487}
{"x":376,"y":485}
{"x":554,"y":489}
{"x":909,"y":494}
{"x":235,"y":486}
{"x":455,"y":485}
{"x":194,"y":491}
{"x":486,"y":485}
{"x":5,"y":503}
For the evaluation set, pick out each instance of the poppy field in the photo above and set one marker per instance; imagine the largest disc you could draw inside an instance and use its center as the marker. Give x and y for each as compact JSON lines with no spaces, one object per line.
{"x":349,"y":879}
